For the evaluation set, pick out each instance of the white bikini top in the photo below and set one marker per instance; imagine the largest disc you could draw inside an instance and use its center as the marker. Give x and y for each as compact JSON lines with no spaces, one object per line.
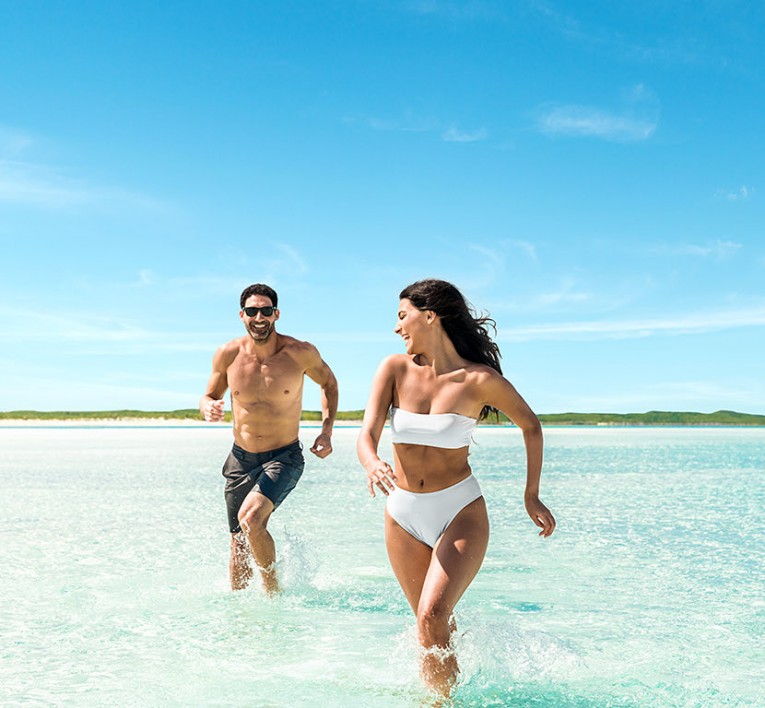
{"x":448,"y":430}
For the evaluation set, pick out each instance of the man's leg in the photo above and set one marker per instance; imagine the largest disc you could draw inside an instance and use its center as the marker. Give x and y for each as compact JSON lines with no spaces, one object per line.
{"x":240,"y":569}
{"x":253,"y":518}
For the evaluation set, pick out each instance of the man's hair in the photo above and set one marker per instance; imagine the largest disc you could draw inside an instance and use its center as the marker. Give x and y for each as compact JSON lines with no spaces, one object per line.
{"x":259,"y":289}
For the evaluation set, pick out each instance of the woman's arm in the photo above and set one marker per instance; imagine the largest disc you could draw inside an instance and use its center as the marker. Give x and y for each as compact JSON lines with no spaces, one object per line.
{"x":379,"y":472}
{"x":503,"y":396}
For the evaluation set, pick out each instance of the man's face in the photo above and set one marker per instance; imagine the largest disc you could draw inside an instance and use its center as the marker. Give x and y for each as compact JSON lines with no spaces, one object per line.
{"x":259,"y":325}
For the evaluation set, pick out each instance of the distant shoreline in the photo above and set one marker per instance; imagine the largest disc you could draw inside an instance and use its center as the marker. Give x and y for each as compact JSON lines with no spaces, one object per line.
{"x":191,"y":417}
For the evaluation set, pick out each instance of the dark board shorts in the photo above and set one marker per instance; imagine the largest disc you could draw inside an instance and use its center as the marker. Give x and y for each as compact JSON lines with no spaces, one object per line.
{"x":273,"y":473}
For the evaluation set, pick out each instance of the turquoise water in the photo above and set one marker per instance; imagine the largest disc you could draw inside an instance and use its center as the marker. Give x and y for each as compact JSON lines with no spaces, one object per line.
{"x":114,"y":590}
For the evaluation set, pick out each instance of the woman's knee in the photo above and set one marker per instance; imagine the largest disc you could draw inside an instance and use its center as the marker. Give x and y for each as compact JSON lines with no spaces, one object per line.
{"x":433,"y":622}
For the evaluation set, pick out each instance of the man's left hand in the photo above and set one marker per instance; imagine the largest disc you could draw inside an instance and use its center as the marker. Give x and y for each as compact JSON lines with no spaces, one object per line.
{"x":322,"y":446}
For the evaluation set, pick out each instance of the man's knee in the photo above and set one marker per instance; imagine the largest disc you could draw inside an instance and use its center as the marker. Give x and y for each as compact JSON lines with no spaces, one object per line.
{"x":254,"y":517}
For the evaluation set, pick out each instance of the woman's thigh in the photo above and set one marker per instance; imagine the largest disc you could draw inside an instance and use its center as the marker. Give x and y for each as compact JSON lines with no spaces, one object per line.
{"x":409,"y":558}
{"x":456,"y":559}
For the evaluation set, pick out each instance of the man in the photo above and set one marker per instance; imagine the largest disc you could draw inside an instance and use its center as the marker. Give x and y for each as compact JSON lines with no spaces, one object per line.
{"x":264,"y":371}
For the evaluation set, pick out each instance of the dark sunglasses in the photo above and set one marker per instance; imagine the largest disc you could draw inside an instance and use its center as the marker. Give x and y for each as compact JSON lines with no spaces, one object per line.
{"x":266,"y":311}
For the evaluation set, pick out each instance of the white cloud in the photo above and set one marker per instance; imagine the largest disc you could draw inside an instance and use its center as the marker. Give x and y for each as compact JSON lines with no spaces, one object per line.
{"x":20,"y":324}
{"x":95,"y":333}
{"x":452,"y":9}
{"x":453,"y":135}
{"x":145,"y":277}
{"x":626,"y":329}
{"x":585,"y":121}
{"x":743,"y":192}
{"x":13,"y":141}
{"x":23,"y":183}
{"x":562,"y":296}
{"x":33,"y":183}
{"x":526,"y":246}
{"x":294,"y":262}
{"x":637,"y":119}
{"x":409,"y":123}
{"x":712,"y":249}
{"x":38,"y":185}
{"x":35,"y":392}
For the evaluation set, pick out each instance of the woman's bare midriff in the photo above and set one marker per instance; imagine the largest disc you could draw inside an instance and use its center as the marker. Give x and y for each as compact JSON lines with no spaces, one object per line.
{"x":421,"y":468}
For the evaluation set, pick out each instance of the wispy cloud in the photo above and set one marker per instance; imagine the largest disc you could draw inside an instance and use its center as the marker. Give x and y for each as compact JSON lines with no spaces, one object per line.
{"x":30,"y":182}
{"x":144,"y":279}
{"x":669,"y":47}
{"x":637,"y":119}
{"x":25,"y":183}
{"x":586,"y":121}
{"x":490,"y":264}
{"x":409,"y":123}
{"x":13,"y":141}
{"x":742,"y":193}
{"x":526,"y":246}
{"x":712,"y":249}
{"x":65,"y":327}
{"x":284,"y":263}
{"x":39,"y":185}
{"x":626,"y":329}
{"x":52,"y":392}
{"x":452,"y":9}
{"x":453,"y":135}
{"x":559,"y":297}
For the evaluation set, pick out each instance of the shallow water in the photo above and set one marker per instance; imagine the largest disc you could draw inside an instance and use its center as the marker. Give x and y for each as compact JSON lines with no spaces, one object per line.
{"x":114,"y":589}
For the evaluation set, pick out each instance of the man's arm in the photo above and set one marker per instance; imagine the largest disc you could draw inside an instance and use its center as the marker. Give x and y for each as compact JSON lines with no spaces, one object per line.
{"x":318,"y":371}
{"x":211,"y":403}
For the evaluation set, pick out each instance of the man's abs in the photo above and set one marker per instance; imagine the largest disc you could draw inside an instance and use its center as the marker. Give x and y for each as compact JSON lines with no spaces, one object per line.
{"x":263,"y":426}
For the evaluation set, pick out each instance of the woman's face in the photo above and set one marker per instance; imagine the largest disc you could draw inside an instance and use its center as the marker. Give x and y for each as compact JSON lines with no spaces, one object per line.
{"x":410,"y":325}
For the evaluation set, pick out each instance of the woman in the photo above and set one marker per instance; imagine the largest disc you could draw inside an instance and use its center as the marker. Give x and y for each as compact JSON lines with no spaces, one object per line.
{"x":436,"y":525}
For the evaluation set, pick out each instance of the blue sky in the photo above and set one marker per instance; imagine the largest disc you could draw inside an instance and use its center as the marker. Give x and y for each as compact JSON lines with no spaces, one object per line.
{"x":591,"y":174}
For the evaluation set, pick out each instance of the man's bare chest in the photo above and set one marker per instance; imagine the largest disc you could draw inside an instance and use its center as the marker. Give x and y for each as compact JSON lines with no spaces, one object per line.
{"x":276,"y":379}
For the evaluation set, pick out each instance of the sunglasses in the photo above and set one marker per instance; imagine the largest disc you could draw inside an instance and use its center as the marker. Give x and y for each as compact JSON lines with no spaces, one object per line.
{"x":266,"y":311}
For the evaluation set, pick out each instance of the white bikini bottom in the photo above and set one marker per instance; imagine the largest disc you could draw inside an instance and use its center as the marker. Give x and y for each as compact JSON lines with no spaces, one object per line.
{"x":426,"y":515}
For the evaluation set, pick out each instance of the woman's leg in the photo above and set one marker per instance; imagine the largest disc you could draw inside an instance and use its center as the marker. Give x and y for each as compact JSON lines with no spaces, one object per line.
{"x":454,"y":563}
{"x":409,"y":558}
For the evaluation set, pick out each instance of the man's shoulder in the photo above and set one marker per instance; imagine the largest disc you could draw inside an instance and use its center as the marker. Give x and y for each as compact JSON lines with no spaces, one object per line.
{"x":297,"y":348}
{"x":288,"y":342}
{"x":230,"y":349}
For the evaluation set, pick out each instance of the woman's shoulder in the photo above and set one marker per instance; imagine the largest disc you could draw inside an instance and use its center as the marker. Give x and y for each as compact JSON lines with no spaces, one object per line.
{"x":483,"y":373}
{"x":391,"y":366}
{"x":396,"y":361}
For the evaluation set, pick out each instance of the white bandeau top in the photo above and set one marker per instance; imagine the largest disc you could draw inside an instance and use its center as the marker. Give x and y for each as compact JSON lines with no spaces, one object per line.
{"x":447,"y":430}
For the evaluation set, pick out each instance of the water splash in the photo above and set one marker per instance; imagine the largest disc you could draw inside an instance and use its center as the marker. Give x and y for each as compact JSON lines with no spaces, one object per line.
{"x":297,"y":563}
{"x":495,"y":656}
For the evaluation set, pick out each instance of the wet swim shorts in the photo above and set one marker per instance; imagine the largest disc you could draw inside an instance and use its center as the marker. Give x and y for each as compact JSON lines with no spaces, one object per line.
{"x":273,"y":473}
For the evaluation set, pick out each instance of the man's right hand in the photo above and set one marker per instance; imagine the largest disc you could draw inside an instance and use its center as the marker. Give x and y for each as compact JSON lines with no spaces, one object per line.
{"x":212,"y":410}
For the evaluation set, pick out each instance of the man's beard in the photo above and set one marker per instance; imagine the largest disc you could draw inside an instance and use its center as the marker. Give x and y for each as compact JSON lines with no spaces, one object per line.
{"x":261,"y":336}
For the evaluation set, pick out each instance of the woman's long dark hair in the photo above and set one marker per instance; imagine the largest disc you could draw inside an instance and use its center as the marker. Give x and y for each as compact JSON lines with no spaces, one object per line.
{"x":468,"y":333}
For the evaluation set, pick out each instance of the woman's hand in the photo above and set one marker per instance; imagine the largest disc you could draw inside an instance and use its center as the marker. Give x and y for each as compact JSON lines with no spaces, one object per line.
{"x":380,"y":475}
{"x":540,"y":515}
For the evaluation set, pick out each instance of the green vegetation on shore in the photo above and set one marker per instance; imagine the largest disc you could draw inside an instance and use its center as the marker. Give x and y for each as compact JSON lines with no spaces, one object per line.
{"x":653,"y":418}
{"x":614,"y":419}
